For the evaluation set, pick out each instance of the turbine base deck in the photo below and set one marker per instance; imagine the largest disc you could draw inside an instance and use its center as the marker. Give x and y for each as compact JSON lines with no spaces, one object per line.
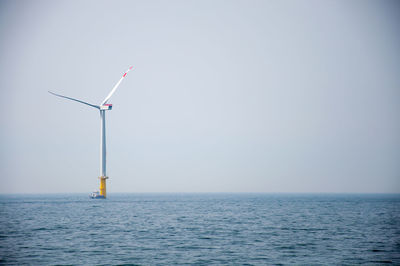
{"x":96,"y":195}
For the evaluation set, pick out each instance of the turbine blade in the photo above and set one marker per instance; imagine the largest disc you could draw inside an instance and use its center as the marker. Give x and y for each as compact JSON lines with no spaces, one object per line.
{"x":115,"y":87}
{"x":76,"y":100}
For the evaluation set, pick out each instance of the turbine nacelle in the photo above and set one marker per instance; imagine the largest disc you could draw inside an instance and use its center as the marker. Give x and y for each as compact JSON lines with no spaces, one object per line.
{"x":106,"y":106}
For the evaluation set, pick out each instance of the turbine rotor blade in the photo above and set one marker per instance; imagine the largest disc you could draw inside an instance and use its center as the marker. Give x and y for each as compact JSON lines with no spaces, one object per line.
{"x":115,"y":87}
{"x":76,"y":100}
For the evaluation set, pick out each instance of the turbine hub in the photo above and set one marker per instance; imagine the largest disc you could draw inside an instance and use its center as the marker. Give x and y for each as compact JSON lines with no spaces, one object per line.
{"x":106,"y":107}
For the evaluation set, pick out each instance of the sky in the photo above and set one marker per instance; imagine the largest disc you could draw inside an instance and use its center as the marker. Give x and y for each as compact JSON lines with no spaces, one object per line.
{"x":225,"y":96}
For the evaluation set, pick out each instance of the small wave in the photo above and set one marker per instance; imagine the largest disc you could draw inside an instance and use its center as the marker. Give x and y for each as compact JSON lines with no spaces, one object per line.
{"x":377,"y":250}
{"x":40,"y":229}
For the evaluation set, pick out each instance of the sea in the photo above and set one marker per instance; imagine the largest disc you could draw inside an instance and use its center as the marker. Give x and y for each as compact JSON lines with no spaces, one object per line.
{"x":200,"y":229}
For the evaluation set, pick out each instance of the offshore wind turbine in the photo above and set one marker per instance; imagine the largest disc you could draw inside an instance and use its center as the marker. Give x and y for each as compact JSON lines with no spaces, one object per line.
{"x":104,"y":106}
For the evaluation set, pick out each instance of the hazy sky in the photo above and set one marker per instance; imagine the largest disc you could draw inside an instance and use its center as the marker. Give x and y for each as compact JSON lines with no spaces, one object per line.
{"x":226,"y":96}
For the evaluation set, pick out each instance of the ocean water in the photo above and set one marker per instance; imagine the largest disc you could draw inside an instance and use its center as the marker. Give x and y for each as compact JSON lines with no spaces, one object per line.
{"x":201,"y":229}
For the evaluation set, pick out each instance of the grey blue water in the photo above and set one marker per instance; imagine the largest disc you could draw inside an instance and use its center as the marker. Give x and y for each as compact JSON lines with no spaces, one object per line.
{"x":201,"y":229}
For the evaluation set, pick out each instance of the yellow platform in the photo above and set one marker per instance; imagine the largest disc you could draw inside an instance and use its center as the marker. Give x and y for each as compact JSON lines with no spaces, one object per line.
{"x":103,"y":191}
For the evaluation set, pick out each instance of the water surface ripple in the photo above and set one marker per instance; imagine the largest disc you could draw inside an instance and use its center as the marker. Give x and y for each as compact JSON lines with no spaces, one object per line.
{"x":148,"y":229}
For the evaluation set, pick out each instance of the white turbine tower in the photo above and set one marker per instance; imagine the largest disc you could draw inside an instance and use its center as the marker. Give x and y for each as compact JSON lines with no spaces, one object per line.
{"x":104,"y":106}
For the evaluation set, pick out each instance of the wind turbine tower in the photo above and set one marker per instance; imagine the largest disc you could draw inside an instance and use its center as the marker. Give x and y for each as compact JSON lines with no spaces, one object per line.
{"x":103,"y":107}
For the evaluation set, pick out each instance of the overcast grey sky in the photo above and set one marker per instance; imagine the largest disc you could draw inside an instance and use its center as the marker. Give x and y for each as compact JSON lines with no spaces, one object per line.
{"x":226,"y":96}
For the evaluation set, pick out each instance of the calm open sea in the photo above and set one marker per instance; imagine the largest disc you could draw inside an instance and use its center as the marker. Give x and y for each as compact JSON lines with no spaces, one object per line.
{"x":148,"y":229}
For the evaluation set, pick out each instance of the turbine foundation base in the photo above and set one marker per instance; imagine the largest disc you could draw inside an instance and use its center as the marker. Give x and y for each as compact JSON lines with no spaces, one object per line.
{"x":102,"y":189}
